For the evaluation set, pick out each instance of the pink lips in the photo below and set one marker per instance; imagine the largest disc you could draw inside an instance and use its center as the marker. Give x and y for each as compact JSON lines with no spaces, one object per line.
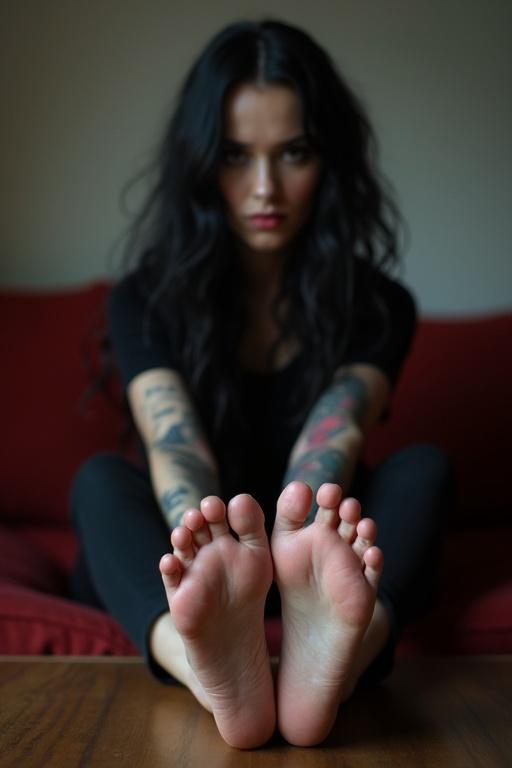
{"x":266,"y":221}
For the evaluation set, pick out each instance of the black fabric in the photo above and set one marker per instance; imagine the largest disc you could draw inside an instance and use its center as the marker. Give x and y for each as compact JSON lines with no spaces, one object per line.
{"x":140,"y":342}
{"x":384,"y":327}
{"x":123,"y":537}
{"x":118,"y":519}
{"x":382,"y":335}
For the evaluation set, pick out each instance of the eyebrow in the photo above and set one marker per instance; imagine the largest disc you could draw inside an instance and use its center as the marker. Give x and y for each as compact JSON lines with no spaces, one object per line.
{"x":301,"y":138}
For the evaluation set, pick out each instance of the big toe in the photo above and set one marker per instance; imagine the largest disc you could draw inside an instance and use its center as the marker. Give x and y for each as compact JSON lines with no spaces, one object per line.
{"x":247,"y":519}
{"x":293,"y":506}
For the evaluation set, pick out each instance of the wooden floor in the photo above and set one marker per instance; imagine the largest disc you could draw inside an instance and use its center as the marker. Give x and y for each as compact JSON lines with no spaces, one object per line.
{"x":61,"y":713}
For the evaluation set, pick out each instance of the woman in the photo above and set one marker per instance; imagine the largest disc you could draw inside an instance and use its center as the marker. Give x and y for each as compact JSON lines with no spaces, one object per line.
{"x":259,"y":340}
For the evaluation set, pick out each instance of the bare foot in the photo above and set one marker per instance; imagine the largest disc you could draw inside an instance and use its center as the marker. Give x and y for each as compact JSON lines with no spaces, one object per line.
{"x":327,"y":574}
{"x":216,"y":587}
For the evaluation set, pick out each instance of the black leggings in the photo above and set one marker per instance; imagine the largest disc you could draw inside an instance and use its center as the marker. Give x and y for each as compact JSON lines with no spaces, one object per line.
{"x":123,"y":535}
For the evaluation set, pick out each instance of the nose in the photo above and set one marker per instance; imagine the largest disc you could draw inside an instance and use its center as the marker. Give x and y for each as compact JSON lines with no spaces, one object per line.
{"x":264,"y":182}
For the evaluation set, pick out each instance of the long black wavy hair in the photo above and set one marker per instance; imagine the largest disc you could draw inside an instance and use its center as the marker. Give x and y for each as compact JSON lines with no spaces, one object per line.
{"x":181,"y":244}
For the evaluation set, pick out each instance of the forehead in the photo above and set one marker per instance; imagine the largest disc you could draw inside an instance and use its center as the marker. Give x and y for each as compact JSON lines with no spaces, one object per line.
{"x":255,"y":114}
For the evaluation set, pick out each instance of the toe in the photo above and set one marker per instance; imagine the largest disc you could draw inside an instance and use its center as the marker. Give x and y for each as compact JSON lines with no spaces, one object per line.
{"x":214,"y":511}
{"x":183,"y":545}
{"x":293,"y":507}
{"x":373,"y":562}
{"x":328,"y":499}
{"x":329,"y":495}
{"x":171,"y":570}
{"x":194,"y":520}
{"x":247,"y":520}
{"x":350,"y":515}
{"x":366,"y":534}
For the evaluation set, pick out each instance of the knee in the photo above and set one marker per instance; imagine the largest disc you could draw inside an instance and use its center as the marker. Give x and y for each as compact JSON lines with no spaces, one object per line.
{"x":99,"y":470}
{"x":93,"y":481}
{"x":430,"y":462}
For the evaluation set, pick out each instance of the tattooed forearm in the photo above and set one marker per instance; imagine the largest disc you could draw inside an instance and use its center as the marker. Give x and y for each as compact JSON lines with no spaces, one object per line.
{"x":196,"y":471}
{"x":326,"y":448}
{"x":195,"y":479}
{"x":321,"y":463}
{"x":174,"y":504}
{"x":183,"y":468}
{"x":170,"y":425}
{"x":342,"y":404}
{"x":192,"y":479}
{"x":317,"y":467}
{"x":184,"y":432}
{"x":339,"y":410}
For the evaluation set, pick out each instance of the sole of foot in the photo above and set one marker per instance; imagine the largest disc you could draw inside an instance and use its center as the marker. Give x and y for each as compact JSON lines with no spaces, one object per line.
{"x":327,"y":574}
{"x":216,"y":587}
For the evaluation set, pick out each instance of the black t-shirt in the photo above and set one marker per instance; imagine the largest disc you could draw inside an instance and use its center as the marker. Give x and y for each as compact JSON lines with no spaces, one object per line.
{"x":140,"y":343}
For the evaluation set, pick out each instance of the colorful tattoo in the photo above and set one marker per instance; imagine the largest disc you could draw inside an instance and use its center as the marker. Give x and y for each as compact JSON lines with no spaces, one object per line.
{"x":318,"y":456}
{"x":327,"y":462}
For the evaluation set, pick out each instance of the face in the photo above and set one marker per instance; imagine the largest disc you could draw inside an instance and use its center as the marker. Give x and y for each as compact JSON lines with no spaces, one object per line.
{"x":269,"y":173}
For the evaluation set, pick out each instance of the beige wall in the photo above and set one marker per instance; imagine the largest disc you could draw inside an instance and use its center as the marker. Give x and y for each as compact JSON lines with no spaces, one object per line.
{"x":85,"y":86}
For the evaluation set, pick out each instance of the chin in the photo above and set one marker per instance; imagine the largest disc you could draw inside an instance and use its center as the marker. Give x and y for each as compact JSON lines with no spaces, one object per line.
{"x":267,"y":241}
{"x":263,"y":242}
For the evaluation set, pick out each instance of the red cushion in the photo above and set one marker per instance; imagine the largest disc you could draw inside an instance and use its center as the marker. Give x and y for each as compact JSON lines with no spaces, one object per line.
{"x":473,"y":613}
{"x":34,"y":618}
{"x":273,"y":633}
{"x":44,"y":341}
{"x":455,"y":392}
{"x":22,"y":563}
{"x":33,"y":623}
{"x":57,"y":541}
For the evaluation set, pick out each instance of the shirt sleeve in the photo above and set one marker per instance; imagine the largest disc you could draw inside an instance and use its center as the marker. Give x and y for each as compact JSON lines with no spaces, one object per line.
{"x":384,"y":329}
{"x":139,"y":341}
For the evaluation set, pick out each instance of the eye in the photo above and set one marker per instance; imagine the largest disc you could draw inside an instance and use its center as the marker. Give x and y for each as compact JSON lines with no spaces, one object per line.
{"x":298,"y":153}
{"x":233,"y":156}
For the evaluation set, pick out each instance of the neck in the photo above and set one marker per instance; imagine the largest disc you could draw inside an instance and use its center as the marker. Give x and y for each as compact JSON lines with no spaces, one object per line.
{"x":264,"y":271}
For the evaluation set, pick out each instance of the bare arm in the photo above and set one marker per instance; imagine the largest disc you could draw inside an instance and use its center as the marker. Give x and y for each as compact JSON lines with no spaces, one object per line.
{"x":331,"y":441}
{"x":182,"y":467}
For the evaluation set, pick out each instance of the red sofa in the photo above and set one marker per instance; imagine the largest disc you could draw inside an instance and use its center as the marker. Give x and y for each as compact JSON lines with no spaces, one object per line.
{"x":454,"y":391}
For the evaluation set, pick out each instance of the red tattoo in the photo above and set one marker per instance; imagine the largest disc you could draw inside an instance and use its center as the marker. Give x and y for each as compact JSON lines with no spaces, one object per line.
{"x":325,"y":429}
